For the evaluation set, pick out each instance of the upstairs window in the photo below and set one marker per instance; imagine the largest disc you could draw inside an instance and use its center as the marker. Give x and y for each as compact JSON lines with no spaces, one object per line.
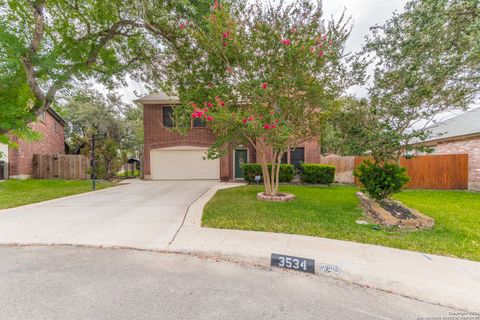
{"x":167,"y":117}
{"x":198,"y":123}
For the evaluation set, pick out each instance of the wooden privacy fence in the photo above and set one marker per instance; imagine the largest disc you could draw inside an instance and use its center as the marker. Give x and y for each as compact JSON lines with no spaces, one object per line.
{"x":344,"y":167}
{"x":449,"y":171}
{"x":63,"y":166}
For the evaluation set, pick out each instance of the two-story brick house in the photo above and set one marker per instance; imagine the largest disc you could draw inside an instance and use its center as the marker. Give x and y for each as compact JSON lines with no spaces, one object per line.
{"x":170,"y":155}
{"x":20,"y":160}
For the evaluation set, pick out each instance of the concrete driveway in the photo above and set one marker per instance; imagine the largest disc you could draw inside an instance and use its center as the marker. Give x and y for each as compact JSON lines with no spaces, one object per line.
{"x":141,"y":214}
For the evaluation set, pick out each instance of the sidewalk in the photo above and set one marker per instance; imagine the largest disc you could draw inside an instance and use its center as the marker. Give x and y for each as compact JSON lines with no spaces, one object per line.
{"x":436,"y":279}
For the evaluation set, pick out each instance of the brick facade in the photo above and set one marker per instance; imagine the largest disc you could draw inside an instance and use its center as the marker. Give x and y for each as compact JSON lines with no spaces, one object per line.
{"x":470,"y":146}
{"x":20,"y":163}
{"x":157,"y":136}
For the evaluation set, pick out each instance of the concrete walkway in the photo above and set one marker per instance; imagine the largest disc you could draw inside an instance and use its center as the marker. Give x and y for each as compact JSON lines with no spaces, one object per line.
{"x":140,"y":214}
{"x":436,"y":279}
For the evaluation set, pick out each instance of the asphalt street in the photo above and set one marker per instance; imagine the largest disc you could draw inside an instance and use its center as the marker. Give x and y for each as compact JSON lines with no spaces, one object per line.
{"x":63,"y":282}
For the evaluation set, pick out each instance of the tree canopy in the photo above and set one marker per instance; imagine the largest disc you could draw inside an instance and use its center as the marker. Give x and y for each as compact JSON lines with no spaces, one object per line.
{"x":49,"y":45}
{"x":260,"y":74}
{"x":427,"y":61}
{"x":89,"y":112}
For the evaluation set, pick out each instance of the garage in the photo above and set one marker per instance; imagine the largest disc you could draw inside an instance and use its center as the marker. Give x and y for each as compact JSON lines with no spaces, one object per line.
{"x":182,"y":163}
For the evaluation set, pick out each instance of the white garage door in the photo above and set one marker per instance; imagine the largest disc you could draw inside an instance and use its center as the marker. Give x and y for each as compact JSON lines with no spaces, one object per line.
{"x":182,"y":163}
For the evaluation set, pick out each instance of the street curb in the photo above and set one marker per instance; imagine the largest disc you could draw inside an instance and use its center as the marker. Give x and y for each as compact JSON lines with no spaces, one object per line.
{"x":209,"y":256}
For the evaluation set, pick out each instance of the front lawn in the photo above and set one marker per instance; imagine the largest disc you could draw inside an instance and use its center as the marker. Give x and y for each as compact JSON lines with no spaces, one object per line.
{"x":331,"y":212}
{"x":14,"y":193}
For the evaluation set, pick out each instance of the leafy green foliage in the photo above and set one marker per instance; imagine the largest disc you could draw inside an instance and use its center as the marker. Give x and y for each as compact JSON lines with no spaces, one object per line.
{"x":50,"y":46}
{"x":260,"y":74}
{"x":250,"y":170}
{"x":427,"y":61}
{"x":343,"y":131}
{"x":88,"y":112}
{"x":317,"y":173}
{"x":381,"y":181}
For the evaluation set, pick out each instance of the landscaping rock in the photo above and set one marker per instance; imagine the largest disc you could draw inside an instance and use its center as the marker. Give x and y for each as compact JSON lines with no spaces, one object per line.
{"x":385,"y":218}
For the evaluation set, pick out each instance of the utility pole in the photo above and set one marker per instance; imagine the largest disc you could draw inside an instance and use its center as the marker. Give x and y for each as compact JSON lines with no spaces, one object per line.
{"x":93,"y":161}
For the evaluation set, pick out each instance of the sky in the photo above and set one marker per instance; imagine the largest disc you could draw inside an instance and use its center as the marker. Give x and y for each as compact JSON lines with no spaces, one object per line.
{"x":364,"y":13}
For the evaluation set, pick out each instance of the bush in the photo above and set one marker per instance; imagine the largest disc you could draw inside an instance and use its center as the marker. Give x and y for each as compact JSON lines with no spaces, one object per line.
{"x":317,"y":173}
{"x":250,"y":170}
{"x":380,"y":182}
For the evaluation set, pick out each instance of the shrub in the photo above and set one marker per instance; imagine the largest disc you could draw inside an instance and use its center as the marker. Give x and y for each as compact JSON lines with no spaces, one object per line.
{"x":381,"y":181}
{"x":250,"y":170}
{"x":317,"y":173}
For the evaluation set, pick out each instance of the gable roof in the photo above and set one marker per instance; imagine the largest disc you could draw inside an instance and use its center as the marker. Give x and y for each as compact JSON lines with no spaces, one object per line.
{"x":465,"y":124}
{"x":57,"y":117}
{"x":159,"y":98}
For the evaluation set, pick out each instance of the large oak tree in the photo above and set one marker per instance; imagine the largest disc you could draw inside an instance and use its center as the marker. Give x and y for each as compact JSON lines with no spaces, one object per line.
{"x":50,"y":45}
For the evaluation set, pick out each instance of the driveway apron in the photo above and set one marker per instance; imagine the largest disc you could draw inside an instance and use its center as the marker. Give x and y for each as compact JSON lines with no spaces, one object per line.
{"x":142,"y":214}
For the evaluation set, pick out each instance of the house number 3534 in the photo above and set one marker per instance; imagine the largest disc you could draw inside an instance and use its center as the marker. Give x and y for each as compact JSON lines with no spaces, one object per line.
{"x":294,"y":263}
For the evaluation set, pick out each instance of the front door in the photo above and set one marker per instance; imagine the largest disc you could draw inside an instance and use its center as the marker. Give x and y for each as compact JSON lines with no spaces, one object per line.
{"x":241,"y":157}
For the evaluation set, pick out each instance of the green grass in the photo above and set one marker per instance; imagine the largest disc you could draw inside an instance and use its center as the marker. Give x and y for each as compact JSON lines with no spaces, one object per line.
{"x":136,"y":173}
{"x":331,"y":212}
{"x":14,"y":193}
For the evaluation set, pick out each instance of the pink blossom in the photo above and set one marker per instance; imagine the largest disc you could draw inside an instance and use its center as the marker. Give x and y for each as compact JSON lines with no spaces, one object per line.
{"x":182,"y":25}
{"x":273,"y":126}
{"x":264,"y":86}
{"x":209,"y":118}
{"x":225,"y":44}
{"x":244,"y":120}
{"x":272,"y":112}
{"x":199,"y":114}
{"x":194,"y":115}
{"x":222,"y":104}
{"x":260,"y":117}
{"x":266,"y":126}
{"x":312,"y":49}
{"x":276,"y":120}
{"x":251,"y":118}
{"x":286,"y":42}
{"x":321,"y":53}
{"x":226,"y":35}
{"x":209,"y":104}
{"x":194,"y":104}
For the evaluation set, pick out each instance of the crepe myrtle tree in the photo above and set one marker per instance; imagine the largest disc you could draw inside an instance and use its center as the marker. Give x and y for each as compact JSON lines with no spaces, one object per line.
{"x":260,"y":74}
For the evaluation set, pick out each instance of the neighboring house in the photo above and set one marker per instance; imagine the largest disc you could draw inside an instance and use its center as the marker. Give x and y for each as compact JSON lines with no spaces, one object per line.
{"x":20,"y":160}
{"x":170,"y":155}
{"x":460,"y":134}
